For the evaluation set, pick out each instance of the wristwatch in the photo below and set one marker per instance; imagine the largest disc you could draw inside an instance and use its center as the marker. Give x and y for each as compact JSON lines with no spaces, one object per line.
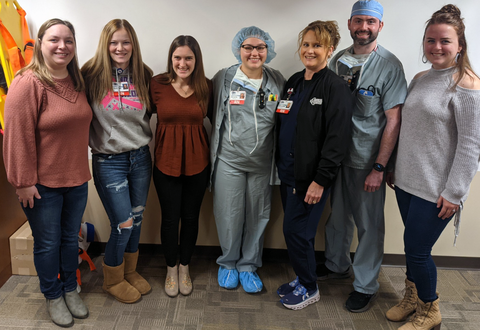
{"x":379,"y":167}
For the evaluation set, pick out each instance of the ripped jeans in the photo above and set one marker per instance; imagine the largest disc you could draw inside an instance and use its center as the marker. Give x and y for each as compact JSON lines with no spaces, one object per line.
{"x":122,"y":182}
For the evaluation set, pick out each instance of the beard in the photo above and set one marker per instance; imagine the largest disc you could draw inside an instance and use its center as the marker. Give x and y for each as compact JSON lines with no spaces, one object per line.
{"x":363,"y":42}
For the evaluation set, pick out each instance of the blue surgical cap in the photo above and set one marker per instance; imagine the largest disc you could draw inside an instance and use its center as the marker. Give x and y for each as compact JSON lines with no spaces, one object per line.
{"x":253,"y":32}
{"x":368,"y":8}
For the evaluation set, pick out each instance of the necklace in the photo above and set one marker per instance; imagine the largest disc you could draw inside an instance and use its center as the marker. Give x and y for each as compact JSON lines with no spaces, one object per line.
{"x":185,"y":91}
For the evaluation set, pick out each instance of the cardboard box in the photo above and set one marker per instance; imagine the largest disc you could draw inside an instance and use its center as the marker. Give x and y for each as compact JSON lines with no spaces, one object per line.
{"x":21,"y":251}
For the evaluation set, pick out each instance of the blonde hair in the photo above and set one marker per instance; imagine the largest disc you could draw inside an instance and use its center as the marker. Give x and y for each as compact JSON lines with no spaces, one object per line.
{"x":97,"y":72}
{"x":198,"y":81}
{"x":325,"y":31}
{"x":38,"y":65}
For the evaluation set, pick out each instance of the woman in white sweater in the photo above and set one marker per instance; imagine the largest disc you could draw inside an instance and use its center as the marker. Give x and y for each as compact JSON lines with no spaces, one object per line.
{"x":438,"y":154}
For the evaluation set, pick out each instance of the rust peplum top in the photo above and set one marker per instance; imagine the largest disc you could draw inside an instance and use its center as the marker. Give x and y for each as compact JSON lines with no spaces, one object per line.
{"x":181,"y":141}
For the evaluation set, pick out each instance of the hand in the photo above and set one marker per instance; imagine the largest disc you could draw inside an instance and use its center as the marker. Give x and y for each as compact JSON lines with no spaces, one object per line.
{"x":448,"y":209}
{"x":314,"y":193}
{"x":373,"y":181}
{"x":390,"y":179}
{"x":26,"y":195}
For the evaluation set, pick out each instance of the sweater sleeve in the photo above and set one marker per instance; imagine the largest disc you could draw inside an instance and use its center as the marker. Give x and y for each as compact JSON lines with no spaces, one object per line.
{"x":22,"y":108}
{"x":338,"y":118}
{"x":466,"y":107}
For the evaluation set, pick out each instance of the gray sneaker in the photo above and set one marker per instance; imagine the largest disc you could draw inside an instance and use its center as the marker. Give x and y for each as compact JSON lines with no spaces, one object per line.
{"x":59,"y":312}
{"x":323,"y":273}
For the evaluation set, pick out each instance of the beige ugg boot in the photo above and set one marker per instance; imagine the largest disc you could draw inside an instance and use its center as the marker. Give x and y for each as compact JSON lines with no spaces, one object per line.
{"x":114,"y":283}
{"x":407,"y":306}
{"x":171,"y":282}
{"x":131,"y":275}
{"x":184,"y":280}
{"x":427,"y":317}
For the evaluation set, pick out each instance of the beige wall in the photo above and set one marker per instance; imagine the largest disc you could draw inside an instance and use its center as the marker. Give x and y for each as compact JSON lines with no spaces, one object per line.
{"x":468,"y":244}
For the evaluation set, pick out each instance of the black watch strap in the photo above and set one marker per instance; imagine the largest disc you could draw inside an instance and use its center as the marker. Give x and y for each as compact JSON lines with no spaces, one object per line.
{"x":379,"y":167}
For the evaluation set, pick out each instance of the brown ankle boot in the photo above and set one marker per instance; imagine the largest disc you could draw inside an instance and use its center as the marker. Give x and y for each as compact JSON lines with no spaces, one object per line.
{"x":131,"y":275}
{"x":427,"y":317}
{"x":407,"y":306}
{"x":114,"y":283}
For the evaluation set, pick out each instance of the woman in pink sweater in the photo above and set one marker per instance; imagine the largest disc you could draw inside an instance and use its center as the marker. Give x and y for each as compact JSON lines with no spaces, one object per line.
{"x":47,"y":119}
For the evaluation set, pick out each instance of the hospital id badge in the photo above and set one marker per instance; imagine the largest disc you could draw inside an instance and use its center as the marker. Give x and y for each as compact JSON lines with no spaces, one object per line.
{"x":284,"y":106}
{"x":120,"y":88}
{"x":237,"y":97}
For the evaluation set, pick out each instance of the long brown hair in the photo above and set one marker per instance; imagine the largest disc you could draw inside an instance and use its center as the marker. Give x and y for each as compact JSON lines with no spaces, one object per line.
{"x":198,"y":81}
{"x":40,"y":69}
{"x":98,"y":70}
{"x":451,"y":15}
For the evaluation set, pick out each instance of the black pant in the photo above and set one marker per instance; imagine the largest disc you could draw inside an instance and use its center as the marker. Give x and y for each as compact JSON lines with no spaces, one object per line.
{"x":180,"y":197}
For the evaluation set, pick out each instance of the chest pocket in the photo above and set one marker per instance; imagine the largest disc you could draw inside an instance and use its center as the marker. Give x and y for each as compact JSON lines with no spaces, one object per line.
{"x":366,"y":105}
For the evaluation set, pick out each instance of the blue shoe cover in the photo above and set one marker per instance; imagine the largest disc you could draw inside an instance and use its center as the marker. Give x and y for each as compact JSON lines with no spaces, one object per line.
{"x":251,"y":283}
{"x":227,"y":278}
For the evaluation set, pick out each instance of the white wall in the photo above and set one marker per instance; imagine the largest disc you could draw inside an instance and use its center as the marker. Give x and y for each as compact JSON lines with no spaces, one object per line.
{"x":214,"y":23}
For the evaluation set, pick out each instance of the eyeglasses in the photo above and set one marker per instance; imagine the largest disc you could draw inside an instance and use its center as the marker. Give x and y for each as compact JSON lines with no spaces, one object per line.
{"x":249,"y":48}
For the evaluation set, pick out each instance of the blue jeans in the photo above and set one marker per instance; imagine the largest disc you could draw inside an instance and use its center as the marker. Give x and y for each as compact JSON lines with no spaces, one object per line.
{"x":55,"y":222}
{"x":422,"y":229}
{"x":122,"y":182}
{"x":299,"y":228}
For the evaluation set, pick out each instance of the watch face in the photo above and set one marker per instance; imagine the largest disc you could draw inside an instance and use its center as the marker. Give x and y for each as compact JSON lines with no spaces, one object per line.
{"x":378,"y":167}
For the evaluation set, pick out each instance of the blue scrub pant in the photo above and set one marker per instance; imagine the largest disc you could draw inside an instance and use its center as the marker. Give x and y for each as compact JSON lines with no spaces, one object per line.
{"x":241,"y":206}
{"x":300,"y":227}
{"x":422,"y":230}
{"x":353,"y":206}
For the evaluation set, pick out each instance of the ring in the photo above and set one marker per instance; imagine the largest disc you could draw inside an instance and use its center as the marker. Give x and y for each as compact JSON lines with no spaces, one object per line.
{"x":314,"y":202}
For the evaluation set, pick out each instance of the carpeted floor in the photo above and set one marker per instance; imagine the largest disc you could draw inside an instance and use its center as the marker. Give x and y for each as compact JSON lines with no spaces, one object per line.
{"x":210,"y":307}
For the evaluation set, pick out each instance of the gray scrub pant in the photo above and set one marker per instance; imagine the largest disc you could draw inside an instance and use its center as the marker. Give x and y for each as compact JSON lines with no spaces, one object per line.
{"x":353,"y":206}
{"x":241,"y":206}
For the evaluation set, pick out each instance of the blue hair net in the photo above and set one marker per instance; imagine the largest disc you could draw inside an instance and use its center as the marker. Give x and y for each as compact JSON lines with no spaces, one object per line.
{"x":253,"y":32}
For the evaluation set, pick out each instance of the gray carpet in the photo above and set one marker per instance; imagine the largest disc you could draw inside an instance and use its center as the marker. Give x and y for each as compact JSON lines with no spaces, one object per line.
{"x":210,"y":307}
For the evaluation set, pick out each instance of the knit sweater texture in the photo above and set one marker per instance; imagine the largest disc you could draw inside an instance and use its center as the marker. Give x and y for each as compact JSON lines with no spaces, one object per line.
{"x":46,"y":133}
{"x":439,"y":144}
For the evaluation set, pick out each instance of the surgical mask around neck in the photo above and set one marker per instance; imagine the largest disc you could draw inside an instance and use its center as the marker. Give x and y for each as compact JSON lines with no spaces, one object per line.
{"x":353,"y":60}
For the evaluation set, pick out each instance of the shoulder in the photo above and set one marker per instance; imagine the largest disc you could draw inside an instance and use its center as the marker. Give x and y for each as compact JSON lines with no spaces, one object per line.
{"x":274,"y":72}
{"x":337,"y":55}
{"x":295,"y":77}
{"x":389,"y":57}
{"x":27,"y":79}
{"x":470,"y":81}
{"x":420,"y":74}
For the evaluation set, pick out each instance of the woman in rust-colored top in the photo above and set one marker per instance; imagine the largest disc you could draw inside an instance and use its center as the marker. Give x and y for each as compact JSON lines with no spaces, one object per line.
{"x":181,"y":96}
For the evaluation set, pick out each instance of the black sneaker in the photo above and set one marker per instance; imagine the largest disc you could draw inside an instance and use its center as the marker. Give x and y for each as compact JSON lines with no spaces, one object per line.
{"x":323,"y":273}
{"x":360,"y":302}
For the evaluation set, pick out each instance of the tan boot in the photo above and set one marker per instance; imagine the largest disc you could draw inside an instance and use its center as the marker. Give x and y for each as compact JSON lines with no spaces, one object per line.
{"x":171,"y":282}
{"x":407,"y":306}
{"x":184,"y":280}
{"x":114,"y":283}
{"x":427,"y":317}
{"x":131,"y":275}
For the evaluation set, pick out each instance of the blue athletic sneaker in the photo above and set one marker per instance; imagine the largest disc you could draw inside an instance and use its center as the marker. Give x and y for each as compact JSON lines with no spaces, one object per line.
{"x":227,"y":278}
{"x":300,"y":298}
{"x":286,"y":288}
{"x":250,"y":281}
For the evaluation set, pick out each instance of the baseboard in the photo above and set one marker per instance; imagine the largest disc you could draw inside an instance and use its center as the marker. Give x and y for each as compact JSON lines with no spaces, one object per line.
{"x":281,"y":255}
